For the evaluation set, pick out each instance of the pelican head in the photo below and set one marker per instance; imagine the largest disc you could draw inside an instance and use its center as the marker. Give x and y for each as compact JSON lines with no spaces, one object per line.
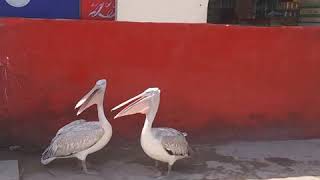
{"x":94,"y":96}
{"x":141,"y":103}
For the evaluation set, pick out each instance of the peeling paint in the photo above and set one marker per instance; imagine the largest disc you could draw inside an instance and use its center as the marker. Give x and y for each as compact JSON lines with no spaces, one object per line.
{"x":6,"y":98}
{"x":5,"y":74}
{"x":8,"y":78}
{"x":4,"y":65}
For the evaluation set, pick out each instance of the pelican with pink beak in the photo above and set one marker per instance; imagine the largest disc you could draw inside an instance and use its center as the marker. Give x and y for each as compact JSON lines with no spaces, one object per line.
{"x":161,"y":144}
{"x":80,"y":138}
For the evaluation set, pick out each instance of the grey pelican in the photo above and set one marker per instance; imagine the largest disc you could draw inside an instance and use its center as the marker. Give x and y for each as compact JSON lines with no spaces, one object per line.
{"x":80,"y":138}
{"x":162,"y":144}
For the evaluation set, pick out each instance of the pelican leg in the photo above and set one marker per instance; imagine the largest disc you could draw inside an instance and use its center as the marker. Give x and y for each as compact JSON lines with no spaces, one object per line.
{"x":156,"y":163}
{"x":84,"y":166}
{"x":85,"y":169}
{"x":169,"y":169}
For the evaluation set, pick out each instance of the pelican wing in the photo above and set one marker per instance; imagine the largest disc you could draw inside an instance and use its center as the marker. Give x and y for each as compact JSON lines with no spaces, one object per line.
{"x":173,"y":141}
{"x":71,"y":125}
{"x":78,"y":138}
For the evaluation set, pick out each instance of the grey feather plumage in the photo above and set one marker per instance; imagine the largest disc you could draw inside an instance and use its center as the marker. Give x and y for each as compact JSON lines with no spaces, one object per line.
{"x":73,"y":138}
{"x":173,"y":141}
{"x":70,"y":126}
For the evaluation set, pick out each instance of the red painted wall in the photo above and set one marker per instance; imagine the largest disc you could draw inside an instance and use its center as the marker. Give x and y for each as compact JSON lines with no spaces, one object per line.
{"x":221,"y":82}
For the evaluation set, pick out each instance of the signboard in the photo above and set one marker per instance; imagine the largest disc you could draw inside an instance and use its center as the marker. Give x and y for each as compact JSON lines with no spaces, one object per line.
{"x":177,"y":11}
{"x":98,"y":9}
{"x":68,"y":9}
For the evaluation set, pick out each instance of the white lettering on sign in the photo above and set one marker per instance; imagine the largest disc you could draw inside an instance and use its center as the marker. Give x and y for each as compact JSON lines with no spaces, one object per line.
{"x":18,"y":3}
{"x":98,"y":10}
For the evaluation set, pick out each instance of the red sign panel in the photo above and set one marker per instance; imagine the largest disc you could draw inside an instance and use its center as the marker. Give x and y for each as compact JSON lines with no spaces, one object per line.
{"x":98,"y":9}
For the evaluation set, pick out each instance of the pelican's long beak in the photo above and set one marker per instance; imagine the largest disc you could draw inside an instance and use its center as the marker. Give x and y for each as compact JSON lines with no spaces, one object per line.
{"x":138,"y":104}
{"x":92,"y":97}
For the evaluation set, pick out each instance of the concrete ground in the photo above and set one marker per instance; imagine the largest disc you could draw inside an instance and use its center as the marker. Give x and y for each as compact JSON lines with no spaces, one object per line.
{"x":233,"y":161}
{"x":9,"y":170}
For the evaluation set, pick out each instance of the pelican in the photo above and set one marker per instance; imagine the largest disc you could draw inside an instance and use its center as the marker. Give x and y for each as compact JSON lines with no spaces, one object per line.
{"x":80,"y":138}
{"x":161,"y":144}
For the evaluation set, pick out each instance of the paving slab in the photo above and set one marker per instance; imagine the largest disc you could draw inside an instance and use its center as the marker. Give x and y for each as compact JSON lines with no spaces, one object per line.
{"x":9,"y":170}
